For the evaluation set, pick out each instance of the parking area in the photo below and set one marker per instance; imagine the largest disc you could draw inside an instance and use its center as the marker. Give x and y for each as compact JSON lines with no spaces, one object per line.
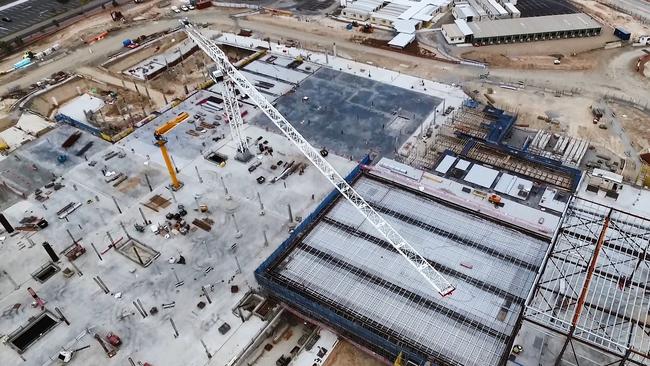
{"x":536,"y":8}
{"x":16,"y":16}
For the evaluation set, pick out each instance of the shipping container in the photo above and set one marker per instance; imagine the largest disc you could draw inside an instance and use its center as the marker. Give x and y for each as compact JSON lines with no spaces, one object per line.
{"x":622,"y":34}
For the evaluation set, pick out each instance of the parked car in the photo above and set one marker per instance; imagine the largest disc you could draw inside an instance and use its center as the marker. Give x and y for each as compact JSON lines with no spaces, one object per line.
{"x":191,"y":6}
{"x":175,"y":9}
{"x":185,"y":8}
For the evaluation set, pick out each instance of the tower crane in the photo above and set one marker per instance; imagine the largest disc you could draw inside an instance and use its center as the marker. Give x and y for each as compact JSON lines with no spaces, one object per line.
{"x":161,"y":141}
{"x":233,"y":113}
{"x":430,"y":274}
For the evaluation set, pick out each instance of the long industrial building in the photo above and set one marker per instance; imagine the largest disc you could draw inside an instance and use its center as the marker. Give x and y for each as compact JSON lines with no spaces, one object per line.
{"x":521,"y":29}
{"x":336,"y":268}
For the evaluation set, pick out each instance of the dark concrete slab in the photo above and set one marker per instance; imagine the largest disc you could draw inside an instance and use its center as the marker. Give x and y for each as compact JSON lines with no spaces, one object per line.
{"x":351,"y":115}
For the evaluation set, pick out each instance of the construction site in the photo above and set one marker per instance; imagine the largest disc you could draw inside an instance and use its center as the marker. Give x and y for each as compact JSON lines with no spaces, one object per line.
{"x":207,"y":194}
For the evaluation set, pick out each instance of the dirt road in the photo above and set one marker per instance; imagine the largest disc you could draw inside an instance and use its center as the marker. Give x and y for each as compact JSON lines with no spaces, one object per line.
{"x":312,"y":35}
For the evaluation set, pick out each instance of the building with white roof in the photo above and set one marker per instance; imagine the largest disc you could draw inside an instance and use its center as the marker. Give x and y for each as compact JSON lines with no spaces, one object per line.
{"x":514,"y":30}
{"x":457,"y":33}
{"x":361,"y":9}
{"x":388,"y":14}
{"x":512,"y":9}
{"x":407,"y":15}
{"x":480,"y":10}
{"x":402,"y":40}
{"x":465,"y":12}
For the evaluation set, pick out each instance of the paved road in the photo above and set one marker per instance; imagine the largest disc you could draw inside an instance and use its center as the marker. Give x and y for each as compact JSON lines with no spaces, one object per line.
{"x":618,"y":78}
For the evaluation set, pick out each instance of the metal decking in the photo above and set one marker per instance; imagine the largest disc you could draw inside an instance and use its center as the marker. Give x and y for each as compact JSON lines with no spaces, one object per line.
{"x":342,"y":264}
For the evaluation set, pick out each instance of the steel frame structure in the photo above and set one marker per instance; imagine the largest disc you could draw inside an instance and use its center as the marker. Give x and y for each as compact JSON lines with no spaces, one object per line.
{"x":594,"y":287}
{"x":431,"y":275}
{"x":339,"y":264}
{"x":235,"y":121}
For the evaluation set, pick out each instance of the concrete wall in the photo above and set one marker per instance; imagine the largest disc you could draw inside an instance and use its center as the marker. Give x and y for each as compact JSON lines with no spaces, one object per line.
{"x":42,"y":103}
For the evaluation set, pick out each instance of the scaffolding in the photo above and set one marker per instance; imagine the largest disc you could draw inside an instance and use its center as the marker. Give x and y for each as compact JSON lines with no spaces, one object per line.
{"x":490,"y":156}
{"x":594,"y":288}
{"x":470,"y":122}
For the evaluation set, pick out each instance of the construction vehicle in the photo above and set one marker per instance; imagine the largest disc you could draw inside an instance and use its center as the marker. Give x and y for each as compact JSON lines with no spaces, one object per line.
{"x":399,"y":361}
{"x":74,"y":251}
{"x":66,"y":356}
{"x":3,"y":145}
{"x":113,"y":339}
{"x":109,"y":352}
{"x":421,"y":264}
{"x":161,"y":141}
{"x":495,"y":199}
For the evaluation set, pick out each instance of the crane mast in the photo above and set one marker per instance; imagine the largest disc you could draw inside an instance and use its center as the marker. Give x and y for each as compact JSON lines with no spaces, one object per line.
{"x":430,"y":274}
{"x":233,"y":113}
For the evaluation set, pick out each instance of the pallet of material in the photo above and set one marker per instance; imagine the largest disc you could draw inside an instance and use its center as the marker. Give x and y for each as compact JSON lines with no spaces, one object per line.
{"x":151,"y":206}
{"x":110,"y":155}
{"x":113,"y":177}
{"x":28,"y":227}
{"x":160,"y":201}
{"x":68,"y":209}
{"x":156,"y":202}
{"x":207,"y":125}
{"x":71,"y":140}
{"x":84,"y":149}
{"x":120,"y":180}
{"x":202,"y":224}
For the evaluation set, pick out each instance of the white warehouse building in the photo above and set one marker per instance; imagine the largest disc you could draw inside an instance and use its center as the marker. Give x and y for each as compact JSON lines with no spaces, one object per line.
{"x":480,"y":10}
{"x":403,"y":16}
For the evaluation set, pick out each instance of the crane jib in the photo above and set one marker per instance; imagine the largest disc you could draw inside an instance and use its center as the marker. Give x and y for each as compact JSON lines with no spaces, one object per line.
{"x":417,"y":261}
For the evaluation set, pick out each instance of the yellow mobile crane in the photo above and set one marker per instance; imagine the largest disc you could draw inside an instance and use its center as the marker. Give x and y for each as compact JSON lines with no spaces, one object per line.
{"x":161,"y":142}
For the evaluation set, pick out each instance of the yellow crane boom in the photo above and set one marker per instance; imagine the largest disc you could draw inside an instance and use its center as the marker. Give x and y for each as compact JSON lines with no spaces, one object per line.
{"x":161,"y":142}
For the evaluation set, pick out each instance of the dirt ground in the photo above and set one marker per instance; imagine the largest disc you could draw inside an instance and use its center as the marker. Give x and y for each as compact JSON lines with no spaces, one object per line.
{"x":73,"y":36}
{"x":635,"y":122}
{"x":131,"y":104}
{"x":612,"y":17}
{"x":575,"y":53}
{"x":540,"y":62}
{"x":345,"y":354}
{"x":191,"y":72}
{"x":573,"y":113}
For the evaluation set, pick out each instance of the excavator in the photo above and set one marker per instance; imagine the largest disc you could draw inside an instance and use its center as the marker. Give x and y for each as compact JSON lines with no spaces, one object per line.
{"x":161,"y":141}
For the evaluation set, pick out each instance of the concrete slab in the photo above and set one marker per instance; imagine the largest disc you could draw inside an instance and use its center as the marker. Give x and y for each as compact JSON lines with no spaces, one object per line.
{"x":351,"y":115}
{"x":210,"y":259}
{"x":76,"y":107}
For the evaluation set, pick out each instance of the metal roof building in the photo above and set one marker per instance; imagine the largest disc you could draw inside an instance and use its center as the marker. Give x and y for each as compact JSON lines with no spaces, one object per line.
{"x":402,"y":40}
{"x":530,"y":29}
